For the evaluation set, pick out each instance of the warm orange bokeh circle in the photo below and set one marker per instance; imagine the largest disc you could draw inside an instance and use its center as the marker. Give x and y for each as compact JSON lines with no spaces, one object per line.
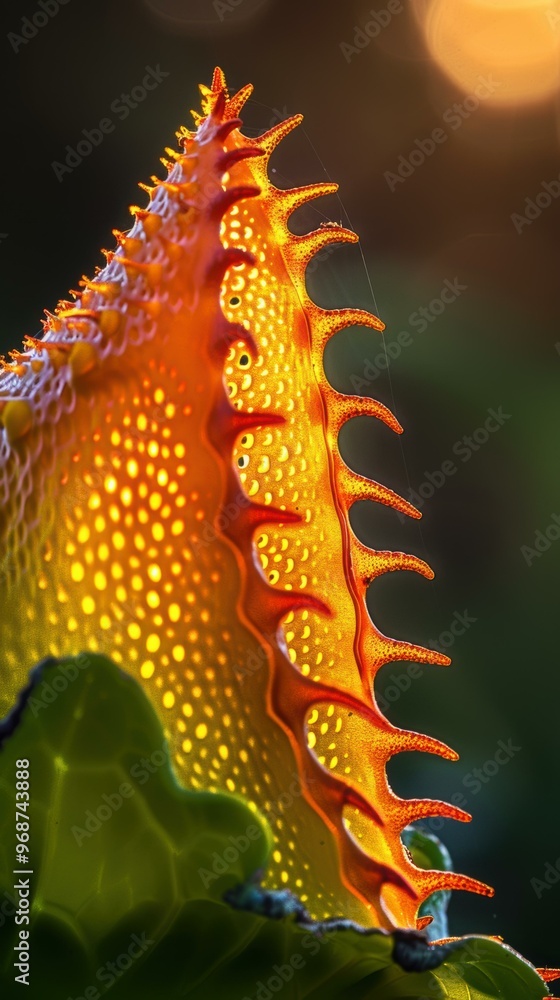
{"x":517,"y":41}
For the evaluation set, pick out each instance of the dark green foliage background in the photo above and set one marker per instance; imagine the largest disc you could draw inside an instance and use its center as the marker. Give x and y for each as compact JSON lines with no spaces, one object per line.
{"x":495,"y":346}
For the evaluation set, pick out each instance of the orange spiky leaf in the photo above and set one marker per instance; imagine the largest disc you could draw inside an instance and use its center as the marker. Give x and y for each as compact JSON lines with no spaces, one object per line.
{"x":180,"y":440}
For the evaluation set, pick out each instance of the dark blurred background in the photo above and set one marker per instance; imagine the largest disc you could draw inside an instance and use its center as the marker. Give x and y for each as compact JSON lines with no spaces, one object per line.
{"x":472,"y":208}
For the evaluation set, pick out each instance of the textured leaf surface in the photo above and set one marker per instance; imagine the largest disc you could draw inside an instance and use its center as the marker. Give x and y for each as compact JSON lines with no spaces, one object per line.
{"x":173,"y":495}
{"x":135,"y":906}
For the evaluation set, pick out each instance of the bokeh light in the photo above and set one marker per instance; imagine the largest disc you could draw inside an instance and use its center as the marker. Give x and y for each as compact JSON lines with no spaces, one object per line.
{"x":518,"y":41}
{"x":206,"y":17}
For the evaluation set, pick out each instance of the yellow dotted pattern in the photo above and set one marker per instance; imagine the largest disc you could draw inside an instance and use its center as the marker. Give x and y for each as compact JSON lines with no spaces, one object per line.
{"x":111,"y":513}
{"x":287,"y":466}
{"x":128,"y":562}
{"x":134,"y":569}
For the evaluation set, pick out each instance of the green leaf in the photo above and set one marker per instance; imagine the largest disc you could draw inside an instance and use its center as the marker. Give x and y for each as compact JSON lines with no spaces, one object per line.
{"x":130,"y":870}
{"x":428,"y":852}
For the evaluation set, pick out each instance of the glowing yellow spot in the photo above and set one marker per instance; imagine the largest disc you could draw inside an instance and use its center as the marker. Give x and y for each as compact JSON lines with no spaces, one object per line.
{"x":119,"y":540}
{"x":134,"y":630}
{"x":110,"y":484}
{"x":83,"y":534}
{"x":201,"y":731}
{"x":168,"y":699}
{"x":153,"y":642}
{"x":187,"y":710}
{"x":174,"y":612}
{"x":177,"y":527}
{"x":126,"y":496}
{"x":223,"y":751}
{"x":88,"y":605}
{"x":77,"y":572}
{"x":178,"y":653}
{"x":147,"y":669}
{"x":155,"y":501}
{"x":154,"y":572}
{"x":100,"y":581}
{"x":132,"y":468}
{"x":152,"y":599}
